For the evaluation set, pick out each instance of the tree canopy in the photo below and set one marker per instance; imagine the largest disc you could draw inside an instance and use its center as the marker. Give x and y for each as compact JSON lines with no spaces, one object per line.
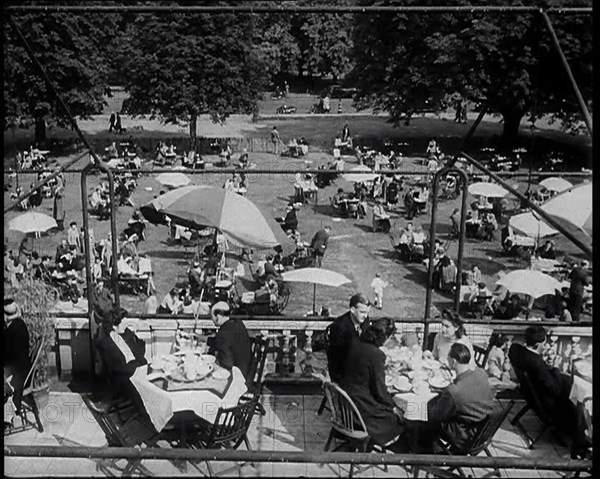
{"x":71,"y":50}
{"x":405,"y":61}
{"x":179,"y":66}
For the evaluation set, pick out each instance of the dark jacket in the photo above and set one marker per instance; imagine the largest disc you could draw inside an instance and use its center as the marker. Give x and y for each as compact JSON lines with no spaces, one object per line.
{"x":364,"y":381}
{"x":551,"y":386}
{"x":16,"y":347}
{"x":578,"y":279}
{"x":319,"y":242}
{"x":232,"y":346}
{"x":291,"y":220}
{"x":462,"y":405}
{"x":342,"y":333}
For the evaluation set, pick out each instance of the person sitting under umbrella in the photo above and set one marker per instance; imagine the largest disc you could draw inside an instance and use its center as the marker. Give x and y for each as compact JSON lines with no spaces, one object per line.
{"x":171,"y":304}
{"x":547,"y":251}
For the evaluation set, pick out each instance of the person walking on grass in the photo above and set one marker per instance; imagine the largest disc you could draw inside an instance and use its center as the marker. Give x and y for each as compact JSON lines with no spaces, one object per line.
{"x":378,"y":285}
{"x":319,"y":245}
{"x":111,"y":122}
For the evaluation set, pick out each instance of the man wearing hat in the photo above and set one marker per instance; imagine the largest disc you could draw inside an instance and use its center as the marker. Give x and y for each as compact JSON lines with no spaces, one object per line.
{"x":231,"y":345}
{"x":196,"y":279}
{"x":16,"y":352}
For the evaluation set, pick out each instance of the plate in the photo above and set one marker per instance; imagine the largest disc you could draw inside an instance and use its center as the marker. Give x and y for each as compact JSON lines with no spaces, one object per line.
{"x":179,"y":377}
{"x":431,"y":364}
{"x":438,"y":382}
{"x":221,"y":374}
{"x":402,"y":384}
{"x":208,"y":358}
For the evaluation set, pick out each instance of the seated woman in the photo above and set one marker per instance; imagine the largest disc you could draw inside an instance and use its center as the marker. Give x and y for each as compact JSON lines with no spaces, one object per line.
{"x":381,"y":216}
{"x":489,"y":227}
{"x":453,"y":331}
{"x":364,"y":381}
{"x":243,"y":160}
{"x":547,"y":251}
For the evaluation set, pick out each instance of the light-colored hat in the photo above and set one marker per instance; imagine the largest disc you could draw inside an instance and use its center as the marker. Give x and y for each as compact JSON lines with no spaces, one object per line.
{"x":11,"y":311}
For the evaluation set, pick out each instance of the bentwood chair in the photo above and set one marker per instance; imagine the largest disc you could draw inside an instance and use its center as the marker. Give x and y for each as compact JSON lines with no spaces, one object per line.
{"x":135,"y":431}
{"x":347,"y":425}
{"x":257,"y":368}
{"x":481,"y":440}
{"x":28,"y":403}
{"x":228,"y":431}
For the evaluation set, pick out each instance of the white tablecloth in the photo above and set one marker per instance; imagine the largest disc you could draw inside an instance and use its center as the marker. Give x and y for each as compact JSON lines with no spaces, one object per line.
{"x":161,"y":405}
{"x":580,"y":390}
{"x":413,"y":405}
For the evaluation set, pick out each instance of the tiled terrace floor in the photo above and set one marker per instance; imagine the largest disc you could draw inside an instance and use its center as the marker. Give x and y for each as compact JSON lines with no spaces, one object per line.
{"x":291,"y":424}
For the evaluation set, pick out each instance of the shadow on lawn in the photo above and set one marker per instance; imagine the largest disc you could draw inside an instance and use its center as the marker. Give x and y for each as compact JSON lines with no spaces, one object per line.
{"x":180,"y":254}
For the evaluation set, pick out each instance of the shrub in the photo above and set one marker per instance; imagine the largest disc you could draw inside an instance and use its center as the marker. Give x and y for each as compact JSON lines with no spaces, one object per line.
{"x":36,"y":300}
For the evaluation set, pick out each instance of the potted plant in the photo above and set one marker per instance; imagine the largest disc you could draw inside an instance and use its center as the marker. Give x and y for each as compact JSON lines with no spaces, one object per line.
{"x":36,"y":300}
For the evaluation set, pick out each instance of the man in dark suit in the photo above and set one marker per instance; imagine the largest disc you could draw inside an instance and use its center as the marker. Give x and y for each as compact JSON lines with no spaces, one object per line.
{"x":231,"y":345}
{"x":552,"y":386}
{"x":16,"y":353}
{"x":319,"y":244}
{"x":343,"y":331}
{"x":579,"y":281}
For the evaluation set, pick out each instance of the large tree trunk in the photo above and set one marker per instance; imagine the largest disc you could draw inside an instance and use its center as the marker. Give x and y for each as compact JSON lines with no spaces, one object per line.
{"x":193,"y":135}
{"x":40,"y":131}
{"x":510,"y":131}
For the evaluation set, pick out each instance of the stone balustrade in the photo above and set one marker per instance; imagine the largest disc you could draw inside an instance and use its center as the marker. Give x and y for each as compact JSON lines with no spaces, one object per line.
{"x":291,"y":342}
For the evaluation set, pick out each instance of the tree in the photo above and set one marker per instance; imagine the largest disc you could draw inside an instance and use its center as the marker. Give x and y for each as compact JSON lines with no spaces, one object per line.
{"x":70,"y":48}
{"x":178,"y":66}
{"x":407,"y":60}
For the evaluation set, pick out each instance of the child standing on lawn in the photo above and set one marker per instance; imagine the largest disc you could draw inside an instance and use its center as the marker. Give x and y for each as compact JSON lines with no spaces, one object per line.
{"x":378,"y":284}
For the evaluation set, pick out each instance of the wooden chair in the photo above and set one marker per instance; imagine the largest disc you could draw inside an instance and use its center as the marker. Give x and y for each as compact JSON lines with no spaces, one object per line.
{"x":586,"y":453}
{"x":534,"y":404}
{"x":137,"y":430}
{"x":347,"y":425}
{"x":228,"y":431}
{"x":28,"y":403}
{"x":480,"y":442}
{"x":259,"y":357}
{"x":481,"y":355}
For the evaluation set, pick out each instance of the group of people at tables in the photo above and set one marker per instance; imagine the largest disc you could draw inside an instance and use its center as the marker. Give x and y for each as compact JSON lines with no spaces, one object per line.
{"x":357,"y":363}
{"x":31,"y":159}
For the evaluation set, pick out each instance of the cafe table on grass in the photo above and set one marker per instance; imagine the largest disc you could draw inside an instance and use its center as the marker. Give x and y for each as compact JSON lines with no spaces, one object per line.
{"x":187,"y":380}
{"x":414,"y":378}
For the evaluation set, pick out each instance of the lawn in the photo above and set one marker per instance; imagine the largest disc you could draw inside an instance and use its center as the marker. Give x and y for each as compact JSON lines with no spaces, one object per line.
{"x":355,"y":250}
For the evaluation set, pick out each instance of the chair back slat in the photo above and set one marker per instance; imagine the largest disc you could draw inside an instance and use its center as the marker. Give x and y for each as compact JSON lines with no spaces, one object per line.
{"x":257,"y":368}
{"x":231,"y":425}
{"x":36,"y":359}
{"x":109,"y":428}
{"x":481,"y":355}
{"x":344,"y":414}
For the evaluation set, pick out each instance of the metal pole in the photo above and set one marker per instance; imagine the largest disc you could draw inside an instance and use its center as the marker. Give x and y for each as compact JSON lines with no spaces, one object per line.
{"x":39,"y":184}
{"x":461,"y":238}
{"x":285,"y":9}
{"x":541,"y":463}
{"x":88,"y":264}
{"x":586,"y":114}
{"x":469,"y":135}
{"x":546,"y":217}
{"x":50,"y":86}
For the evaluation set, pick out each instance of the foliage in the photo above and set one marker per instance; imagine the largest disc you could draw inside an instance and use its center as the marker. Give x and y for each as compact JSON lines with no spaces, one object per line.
{"x":70,"y":48}
{"x":36,"y":299}
{"x":405,"y":61}
{"x":179,"y":66}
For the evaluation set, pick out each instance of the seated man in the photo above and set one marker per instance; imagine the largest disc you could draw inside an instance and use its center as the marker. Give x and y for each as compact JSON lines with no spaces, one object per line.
{"x":551,"y":386}
{"x":231,"y":345}
{"x":171,"y":304}
{"x":196,"y":279}
{"x":454,"y":413}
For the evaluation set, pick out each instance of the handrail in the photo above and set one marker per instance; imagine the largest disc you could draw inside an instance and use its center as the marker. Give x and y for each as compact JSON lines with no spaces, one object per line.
{"x":300,"y":456}
{"x":289,"y":9}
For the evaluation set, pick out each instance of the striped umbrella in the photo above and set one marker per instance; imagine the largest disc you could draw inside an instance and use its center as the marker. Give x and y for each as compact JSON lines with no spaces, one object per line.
{"x":238,"y":218}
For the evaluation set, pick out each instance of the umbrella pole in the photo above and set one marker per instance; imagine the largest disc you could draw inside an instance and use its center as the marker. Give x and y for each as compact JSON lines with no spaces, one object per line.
{"x":314,"y":297}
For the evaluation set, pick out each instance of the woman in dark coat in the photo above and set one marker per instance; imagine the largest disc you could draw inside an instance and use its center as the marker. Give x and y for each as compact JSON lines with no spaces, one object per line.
{"x":58,"y":211}
{"x":364,"y":381}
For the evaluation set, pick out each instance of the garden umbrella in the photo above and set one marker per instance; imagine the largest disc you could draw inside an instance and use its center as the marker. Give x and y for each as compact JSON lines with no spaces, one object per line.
{"x":32,"y":222}
{"x":368,"y":174}
{"x":556,"y":184}
{"x":173,"y":180}
{"x":489,"y":190}
{"x":315,"y":276}
{"x":571,"y":208}
{"x":238,"y":218}
{"x":530,"y":282}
